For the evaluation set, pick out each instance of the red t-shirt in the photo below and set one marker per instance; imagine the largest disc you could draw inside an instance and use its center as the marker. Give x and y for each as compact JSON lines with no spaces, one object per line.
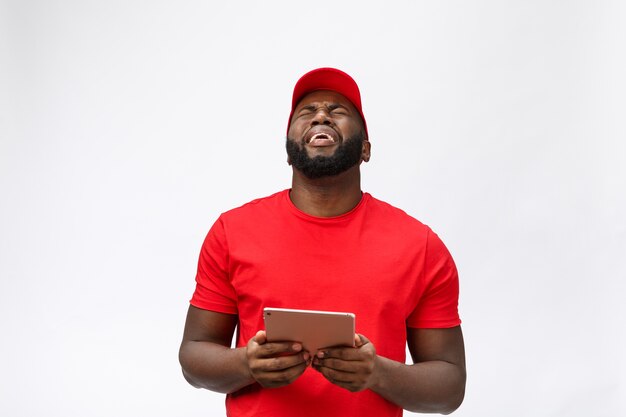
{"x":375,"y":261}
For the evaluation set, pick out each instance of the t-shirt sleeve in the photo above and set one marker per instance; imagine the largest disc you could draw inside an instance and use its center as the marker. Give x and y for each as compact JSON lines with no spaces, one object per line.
{"x":438,"y":305}
{"x":214,"y":290}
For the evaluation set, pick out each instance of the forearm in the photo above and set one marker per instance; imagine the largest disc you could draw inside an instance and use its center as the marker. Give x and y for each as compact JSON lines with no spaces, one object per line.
{"x":215,"y":367}
{"x":426,"y":387}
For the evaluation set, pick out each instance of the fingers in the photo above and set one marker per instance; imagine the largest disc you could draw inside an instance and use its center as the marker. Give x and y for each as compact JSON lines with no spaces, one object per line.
{"x":275,"y":364}
{"x":349,"y":362}
{"x":270,"y":350}
{"x":280,"y":363}
{"x":278,"y":371}
{"x":266,"y":349}
{"x":351,"y":382}
{"x":351,"y":368}
{"x":353,"y":379}
{"x":348,"y":353}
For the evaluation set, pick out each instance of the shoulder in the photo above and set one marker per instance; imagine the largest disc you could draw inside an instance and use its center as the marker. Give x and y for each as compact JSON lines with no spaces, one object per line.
{"x":409,"y":228}
{"x":384,"y":212}
{"x":259,"y":205}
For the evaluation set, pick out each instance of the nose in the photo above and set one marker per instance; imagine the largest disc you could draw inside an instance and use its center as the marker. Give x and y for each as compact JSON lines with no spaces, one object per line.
{"x":322,"y":117}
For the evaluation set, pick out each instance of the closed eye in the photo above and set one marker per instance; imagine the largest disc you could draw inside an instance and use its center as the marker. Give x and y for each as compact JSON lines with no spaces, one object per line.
{"x":306,"y":110}
{"x":337,"y":109}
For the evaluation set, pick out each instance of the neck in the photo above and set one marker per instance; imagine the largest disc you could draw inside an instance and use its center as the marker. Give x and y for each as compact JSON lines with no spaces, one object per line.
{"x":327,"y":196}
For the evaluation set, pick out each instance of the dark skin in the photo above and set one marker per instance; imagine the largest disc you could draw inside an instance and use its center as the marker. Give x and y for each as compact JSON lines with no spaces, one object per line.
{"x":434,"y":383}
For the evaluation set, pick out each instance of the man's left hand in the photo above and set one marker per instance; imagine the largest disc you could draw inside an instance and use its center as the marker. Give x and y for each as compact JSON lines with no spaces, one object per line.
{"x":352,"y":368}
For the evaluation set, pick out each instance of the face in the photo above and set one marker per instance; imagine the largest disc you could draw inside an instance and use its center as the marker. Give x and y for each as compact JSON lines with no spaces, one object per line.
{"x":326,"y":135}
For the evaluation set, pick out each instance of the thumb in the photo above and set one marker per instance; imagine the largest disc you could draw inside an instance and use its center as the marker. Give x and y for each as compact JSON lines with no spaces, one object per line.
{"x":260,"y":337}
{"x":360,"y":340}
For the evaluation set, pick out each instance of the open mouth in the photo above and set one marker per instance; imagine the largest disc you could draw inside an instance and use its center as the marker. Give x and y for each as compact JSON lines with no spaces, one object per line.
{"x":321,"y":139}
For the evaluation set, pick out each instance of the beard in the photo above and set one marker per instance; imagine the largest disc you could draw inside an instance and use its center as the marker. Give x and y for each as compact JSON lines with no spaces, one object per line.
{"x":347,"y":155}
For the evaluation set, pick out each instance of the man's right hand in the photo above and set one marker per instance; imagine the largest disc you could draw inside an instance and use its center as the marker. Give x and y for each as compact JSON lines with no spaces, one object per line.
{"x":275,"y":364}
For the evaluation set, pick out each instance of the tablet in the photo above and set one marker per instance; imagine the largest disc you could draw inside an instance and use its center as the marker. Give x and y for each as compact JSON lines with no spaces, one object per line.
{"x":314,"y":329}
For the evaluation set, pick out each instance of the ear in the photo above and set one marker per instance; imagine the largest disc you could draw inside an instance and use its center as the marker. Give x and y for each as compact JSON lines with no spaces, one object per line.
{"x":366,"y":150}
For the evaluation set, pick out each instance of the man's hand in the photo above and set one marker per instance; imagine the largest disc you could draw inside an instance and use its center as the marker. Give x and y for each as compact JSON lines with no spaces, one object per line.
{"x":352,"y":368}
{"x":275,"y":364}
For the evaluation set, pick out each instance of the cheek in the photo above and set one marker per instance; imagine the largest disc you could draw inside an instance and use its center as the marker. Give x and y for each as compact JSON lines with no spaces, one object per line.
{"x":349,"y":127}
{"x":297,"y":129}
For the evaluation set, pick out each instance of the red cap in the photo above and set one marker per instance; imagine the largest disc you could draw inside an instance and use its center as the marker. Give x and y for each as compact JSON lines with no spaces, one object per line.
{"x":327,"y":79}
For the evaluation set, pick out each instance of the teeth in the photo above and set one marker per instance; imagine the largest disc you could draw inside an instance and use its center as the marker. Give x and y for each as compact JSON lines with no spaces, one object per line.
{"x":321,"y":136}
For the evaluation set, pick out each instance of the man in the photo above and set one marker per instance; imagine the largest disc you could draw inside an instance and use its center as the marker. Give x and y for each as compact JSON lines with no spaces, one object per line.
{"x":326,"y":245}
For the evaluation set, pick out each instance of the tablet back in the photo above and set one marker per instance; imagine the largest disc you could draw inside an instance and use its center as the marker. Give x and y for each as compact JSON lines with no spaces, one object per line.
{"x":314,"y":329}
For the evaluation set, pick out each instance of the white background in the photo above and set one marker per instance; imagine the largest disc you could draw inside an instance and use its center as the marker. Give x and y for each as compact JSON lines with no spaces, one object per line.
{"x":126,"y":127}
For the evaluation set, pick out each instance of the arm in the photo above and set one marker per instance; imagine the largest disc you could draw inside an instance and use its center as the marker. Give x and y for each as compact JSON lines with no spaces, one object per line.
{"x":435,"y":383}
{"x":436,"y":380}
{"x":209,"y":362}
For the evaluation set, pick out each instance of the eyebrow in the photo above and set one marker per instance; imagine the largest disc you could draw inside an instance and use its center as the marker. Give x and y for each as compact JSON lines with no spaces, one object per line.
{"x":334,"y":106}
{"x":331,"y":106}
{"x":307,"y":107}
